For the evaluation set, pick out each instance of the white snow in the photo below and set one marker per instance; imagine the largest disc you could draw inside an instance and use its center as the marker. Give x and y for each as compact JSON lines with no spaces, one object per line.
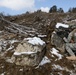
{"x":59,"y":73}
{"x":55,"y":52}
{"x":21,"y":69}
{"x":42,"y":35}
{"x":53,"y":33}
{"x":44,"y":61}
{"x":63,"y":25}
{"x":2,"y":74}
{"x":10,"y":48}
{"x":13,"y":41}
{"x":20,"y":53}
{"x":35,"y":41}
{"x":73,"y":20}
{"x":9,"y":60}
{"x":1,"y":31}
{"x":2,"y":66}
{"x":57,"y":67}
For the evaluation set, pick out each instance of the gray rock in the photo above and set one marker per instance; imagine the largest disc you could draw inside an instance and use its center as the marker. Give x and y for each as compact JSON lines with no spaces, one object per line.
{"x":57,"y":42}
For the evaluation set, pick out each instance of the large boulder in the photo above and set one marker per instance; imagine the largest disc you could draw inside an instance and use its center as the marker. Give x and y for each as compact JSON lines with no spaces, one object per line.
{"x":57,"y":42}
{"x":29,"y":52}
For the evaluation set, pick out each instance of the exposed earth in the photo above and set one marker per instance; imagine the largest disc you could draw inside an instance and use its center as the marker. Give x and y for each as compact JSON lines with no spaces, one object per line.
{"x":39,"y":24}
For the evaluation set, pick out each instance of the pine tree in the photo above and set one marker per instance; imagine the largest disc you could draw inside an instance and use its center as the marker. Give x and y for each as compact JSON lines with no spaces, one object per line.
{"x":60,"y":10}
{"x":53,"y":9}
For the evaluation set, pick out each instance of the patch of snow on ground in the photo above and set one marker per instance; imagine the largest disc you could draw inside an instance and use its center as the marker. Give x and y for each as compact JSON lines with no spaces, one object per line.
{"x":62,"y":68}
{"x":10,"y":48}
{"x":55,"y":52}
{"x":2,"y":66}
{"x":9,"y":60}
{"x":63,"y":25}
{"x":59,"y":73}
{"x":20,"y":53}
{"x":1,"y":31}
{"x":73,"y":20}
{"x":53,"y":33}
{"x":71,"y":72}
{"x":35,"y":41}
{"x":57,"y":67}
{"x":13,"y":41}
{"x":2,"y":74}
{"x":44,"y":61}
{"x":21,"y":70}
{"x":42,"y":35}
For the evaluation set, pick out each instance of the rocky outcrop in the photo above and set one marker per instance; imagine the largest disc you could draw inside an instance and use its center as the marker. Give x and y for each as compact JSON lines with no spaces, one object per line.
{"x":29,"y":52}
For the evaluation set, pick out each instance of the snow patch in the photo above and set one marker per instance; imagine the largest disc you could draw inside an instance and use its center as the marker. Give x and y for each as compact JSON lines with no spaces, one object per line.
{"x":10,"y":48}
{"x":44,"y":61}
{"x":42,"y":35}
{"x":13,"y":41}
{"x":59,"y":73}
{"x":63,"y":25}
{"x":2,"y":73}
{"x":20,"y":53}
{"x":1,"y":32}
{"x":53,"y":33}
{"x":35,"y":41}
{"x":21,"y":69}
{"x":55,"y":52}
{"x":57,"y":67}
{"x":73,"y":20}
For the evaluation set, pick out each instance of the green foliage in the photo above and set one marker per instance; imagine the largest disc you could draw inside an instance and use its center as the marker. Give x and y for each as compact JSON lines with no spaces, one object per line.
{"x":53,"y":9}
{"x":60,"y":10}
{"x":72,"y":10}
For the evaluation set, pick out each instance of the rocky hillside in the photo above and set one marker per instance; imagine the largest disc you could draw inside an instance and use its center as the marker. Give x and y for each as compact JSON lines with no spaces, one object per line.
{"x":14,"y":29}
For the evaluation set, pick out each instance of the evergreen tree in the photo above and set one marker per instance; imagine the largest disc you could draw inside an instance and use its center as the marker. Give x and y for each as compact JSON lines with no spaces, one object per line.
{"x":74,"y":10}
{"x":70,"y":10}
{"x":60,"y":10}
{"x":53,"y":9}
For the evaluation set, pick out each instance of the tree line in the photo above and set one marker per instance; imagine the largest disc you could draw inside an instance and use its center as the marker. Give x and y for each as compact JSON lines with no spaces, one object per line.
{"x":54,"y":9}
